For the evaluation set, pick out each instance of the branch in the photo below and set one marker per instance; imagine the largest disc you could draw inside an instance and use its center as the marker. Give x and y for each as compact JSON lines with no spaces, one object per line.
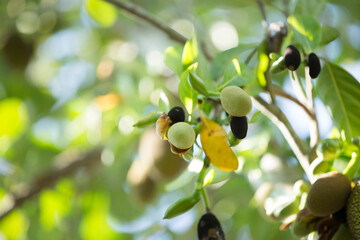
{"x":49,"y":179}
{"x":298,"y":146}
{"x":263,"y":13}
{"x":146,"y":16}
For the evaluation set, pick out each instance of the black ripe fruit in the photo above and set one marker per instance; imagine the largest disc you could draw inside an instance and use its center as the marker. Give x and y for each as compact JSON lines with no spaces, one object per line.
{"x":176,"y":114}
{"x":292,"y":58}
{"x":239,"y":127}
{"x":314,"y":65}
{"x":209,"y":228}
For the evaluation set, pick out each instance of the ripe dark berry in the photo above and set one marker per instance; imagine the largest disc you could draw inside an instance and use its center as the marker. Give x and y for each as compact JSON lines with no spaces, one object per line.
{"x":292,"y":58}
{"x":176,"y":114}
{"x":314,"y":65}
{"x":239,"y":127}
{"x":209,"y":228}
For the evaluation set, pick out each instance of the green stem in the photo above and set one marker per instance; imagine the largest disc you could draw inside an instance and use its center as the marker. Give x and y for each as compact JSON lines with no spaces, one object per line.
{"x":200,"y":184}
{"x":353,"y":166}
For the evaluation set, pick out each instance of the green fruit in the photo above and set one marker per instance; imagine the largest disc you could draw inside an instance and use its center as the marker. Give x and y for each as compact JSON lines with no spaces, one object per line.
{"x":328,"y":194}
{"x":235,"y":101}
{"x":181,"y":135}
{"x":301,"y":229}
{"x":353,"y":212}
{"x":343,"y":233}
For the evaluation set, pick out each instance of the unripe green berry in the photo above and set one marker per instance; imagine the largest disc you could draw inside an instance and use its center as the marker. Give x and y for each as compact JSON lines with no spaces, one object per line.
{"x":292,"y":57}
{"x":328,"y":194}
{"x":181,"y":135}
{"x":235,"y":101}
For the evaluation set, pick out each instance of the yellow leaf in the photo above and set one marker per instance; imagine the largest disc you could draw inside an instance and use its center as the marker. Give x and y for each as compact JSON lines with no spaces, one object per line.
{"x":214,"y":140}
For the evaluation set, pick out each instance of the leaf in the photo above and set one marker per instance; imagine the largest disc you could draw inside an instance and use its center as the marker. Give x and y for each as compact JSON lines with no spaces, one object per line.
{"x":262,"y":68}
{"x":13,"y":117}
{"x":215,"y":144}
{"x":190,"y":52}
{"x":183,"y":205}
{"x":222,"y":59}
{"x":197,"y":84}
{"x":328,"y":34}
{"x":187,"y":95}
{"x":340,"y":92}
{"x":209,"y":177}
{"x":148,"y":119}
{"x":306,"y":30}
{"x":172,"y":58}
{"x":102,"y":12}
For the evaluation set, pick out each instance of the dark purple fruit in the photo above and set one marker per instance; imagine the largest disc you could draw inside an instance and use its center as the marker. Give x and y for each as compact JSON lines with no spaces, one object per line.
{"x":314,"y":65}
{"x":239,"y":127}
{"x":292,"y":58}
{"x":177,"y":114}
{"x":209,"y":228}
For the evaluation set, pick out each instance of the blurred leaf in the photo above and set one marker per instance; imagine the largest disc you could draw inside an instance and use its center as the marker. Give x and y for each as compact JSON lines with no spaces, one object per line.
{"x":262,"y":68}
{"x":307,"y":31}
{"x":173,"y":58}
{"x":164,"y":104}
{"x":209,"y":177}
{"x":183,"y":205}
{"x":238,"y":74}
{"x":215,"y":144}
{"x":13,"y":117}
{"x":222,"y":59}
{"x":190,"y":52}
{"x":54,"y":206}
{"x":102,"y":12}
{"x":14,"y":226}
{"x":256,"y":117}
{"x":328,"y":34}
{"x":148,"y":119}
{"x":340,"y":92}
{"x":197,"y":84}
{"x":187,"y":95}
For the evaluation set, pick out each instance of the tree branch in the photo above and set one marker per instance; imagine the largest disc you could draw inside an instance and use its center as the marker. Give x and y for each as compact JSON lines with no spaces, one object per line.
{"x":49,"y":179}
{"x":263,"y":13}
{"x":298,"y":146}
{"x":146,"y":16}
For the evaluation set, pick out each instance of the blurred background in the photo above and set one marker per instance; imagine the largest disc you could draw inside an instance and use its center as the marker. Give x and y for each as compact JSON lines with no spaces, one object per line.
{"x":71,"y":90}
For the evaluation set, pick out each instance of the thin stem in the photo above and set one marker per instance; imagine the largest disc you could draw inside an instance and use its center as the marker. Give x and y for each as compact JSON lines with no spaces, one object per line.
{"x":314,"y":126}
{"x":298,"y":146}
{"x":299,"y":91}
{"x":248,"y":59}
{"x":206,"y":200}
{"x":200,"y":185}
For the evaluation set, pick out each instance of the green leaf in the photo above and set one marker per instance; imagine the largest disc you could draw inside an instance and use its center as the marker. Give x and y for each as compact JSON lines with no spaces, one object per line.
{"x":197,"y":84}
{"x":14,"y":225}
{"x":222,"y":59}
{"x":306,"y":30}
{"x":187,"y":95}
{"x":13,"y":117}
{"x":148,"y":119}
{"x":183,"y":205}
{"x":262,"y":68}
{"x":340,"y":92}
{"x":190,"y":52}
{"x":328,"y":34}
{"x":102,"y":12}
{"x":173,"y":58}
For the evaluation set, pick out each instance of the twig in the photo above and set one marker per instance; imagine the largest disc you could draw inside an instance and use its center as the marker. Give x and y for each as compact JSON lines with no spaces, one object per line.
{"x":248,"y":59}
{"x":299,"y":91}
{"x":298,"y":146}
{"x":263,"y":13}
{"x":49,"y":179}
{"x":142,"y":14}
{"x":279,"y":92}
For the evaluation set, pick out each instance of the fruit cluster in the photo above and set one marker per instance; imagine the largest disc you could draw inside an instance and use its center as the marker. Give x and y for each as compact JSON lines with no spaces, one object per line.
{"x":237,"y":104}
{"x":332,"y":209}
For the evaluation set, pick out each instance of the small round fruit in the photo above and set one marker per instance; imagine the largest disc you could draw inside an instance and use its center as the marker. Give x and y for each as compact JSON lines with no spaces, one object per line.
{"x":353,"y":212}
{"x":176,"y":114}
{"x":239,"y":127}
{"x":314,"y":65}
{"x":292,"y":58}
{"x":181,"y":135}
{"x":235,"y":101}
{"x":209,"y":227}
{"x":328,"y":194}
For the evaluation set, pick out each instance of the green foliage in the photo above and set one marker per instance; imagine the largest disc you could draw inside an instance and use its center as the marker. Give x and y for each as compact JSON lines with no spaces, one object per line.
{"x":102,"y":12}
